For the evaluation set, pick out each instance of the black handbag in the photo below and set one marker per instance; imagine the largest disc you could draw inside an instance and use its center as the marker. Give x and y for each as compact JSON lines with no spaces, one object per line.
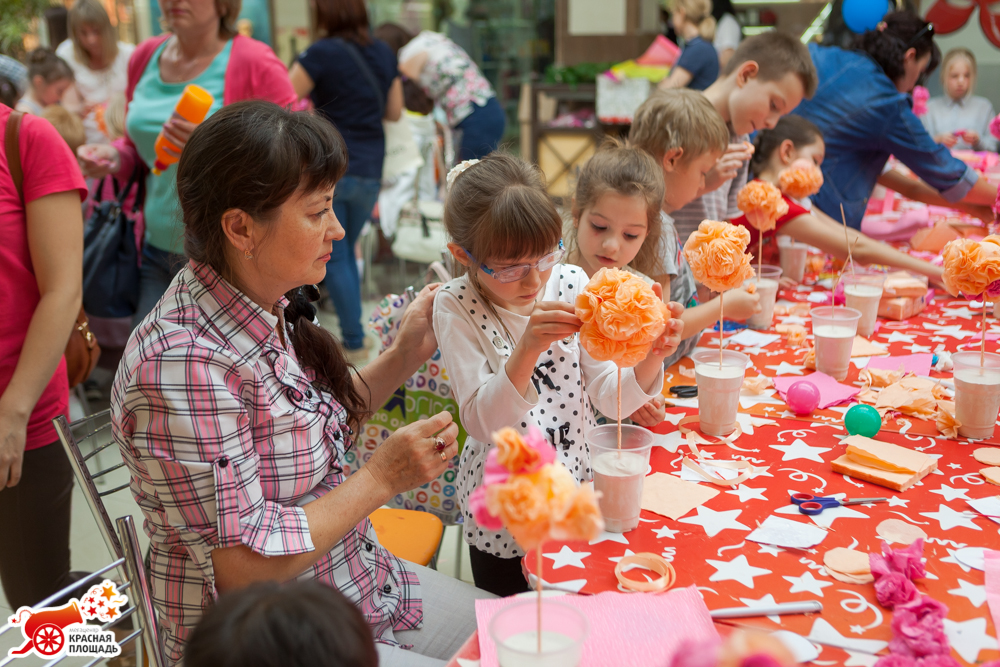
{"x":110,"y":255}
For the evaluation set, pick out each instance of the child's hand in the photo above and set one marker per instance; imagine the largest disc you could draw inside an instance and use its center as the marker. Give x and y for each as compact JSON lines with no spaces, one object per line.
{"x":651,"y":414}
{"x":787,"y":282}
{"x":550,"y":321}
{"x":971,"y":137}
{"x":947,"y":140}
{"x":739,"y":305}
{"x":728,"y":165}
{"x":668,"y":341}
{"x":98,"y":160}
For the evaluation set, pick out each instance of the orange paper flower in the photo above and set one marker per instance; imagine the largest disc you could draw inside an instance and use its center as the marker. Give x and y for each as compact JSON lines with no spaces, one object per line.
{"x":972,"y":268}
{"x":716,"y":252}
{"x":762,"y":203}
{"x":802,"y":179}
{"x":621,"y":316}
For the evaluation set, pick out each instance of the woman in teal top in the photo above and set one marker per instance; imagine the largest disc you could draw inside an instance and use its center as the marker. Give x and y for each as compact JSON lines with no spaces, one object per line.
{"x":202,"y":48}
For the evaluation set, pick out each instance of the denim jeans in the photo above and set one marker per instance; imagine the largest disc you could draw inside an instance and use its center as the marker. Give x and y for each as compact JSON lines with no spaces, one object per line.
{"x":155,"y":275}
{"x":353,"y":202}
{"x":482,"y":130}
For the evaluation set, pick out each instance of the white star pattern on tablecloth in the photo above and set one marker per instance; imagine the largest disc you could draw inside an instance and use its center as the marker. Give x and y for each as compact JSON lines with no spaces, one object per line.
{"x":794,"y":319}
{"x":917,"y":349}
{"x":566,"y":557}
{"x":955,"y":331}
{"x":969,"y":637}
{"x":785,"y":368}
{"x":605,"y":536}
{"x":665,"y":532}
{"x":749,"y":422}
{"x":807,"y":583}
{"x":800,"y":450}
{"x":949,"y":518}
{"x":715,"y":522}
{"x":745,"y":493}
{"x":769,"y":549}
{"x":766,"y":601}
{"x":962,"y":312}
{"x":827,"y":516}
{"x":858,"y":629}
{"x":617,"y":559}
{"x":737,"y":569}
{"x":858,"y":659}
{"x":955,"y":466}
{"x":898,"y":337}
{"x":976,"y":595}
{"x":951,"y":558}
{"x":950,"y":494}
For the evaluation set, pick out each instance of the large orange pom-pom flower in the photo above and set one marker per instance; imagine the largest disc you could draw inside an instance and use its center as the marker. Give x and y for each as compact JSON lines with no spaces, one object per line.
{"x":621,"y":316}
{"x":802,"y":179}
{"x":972,"y":268}
{"x":762,"y":203}
{"x":717,"y":254}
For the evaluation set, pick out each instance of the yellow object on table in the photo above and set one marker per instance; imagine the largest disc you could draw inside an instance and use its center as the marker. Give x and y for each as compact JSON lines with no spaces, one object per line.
{"x":408,"y":534}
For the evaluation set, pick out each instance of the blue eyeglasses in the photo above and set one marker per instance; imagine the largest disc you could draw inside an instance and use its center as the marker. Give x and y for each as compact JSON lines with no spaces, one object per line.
{"x":517,"y":272}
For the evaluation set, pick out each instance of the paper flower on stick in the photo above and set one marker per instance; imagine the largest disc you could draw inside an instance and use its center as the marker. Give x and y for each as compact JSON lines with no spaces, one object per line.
{"x":531,"y":495}
{"x":801,"y":179}
{"x":972,"y":268}
{"x":621,"y":316}
{"x":762,"y":203}
{"x":717,"y":254}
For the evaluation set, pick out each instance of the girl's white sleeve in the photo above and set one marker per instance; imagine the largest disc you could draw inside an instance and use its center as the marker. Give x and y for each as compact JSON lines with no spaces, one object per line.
{"x":602,"y":385}
{"x":487,"y":401}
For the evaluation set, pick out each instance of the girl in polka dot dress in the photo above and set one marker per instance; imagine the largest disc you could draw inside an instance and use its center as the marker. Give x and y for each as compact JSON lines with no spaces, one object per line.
{"x":506,"y":330}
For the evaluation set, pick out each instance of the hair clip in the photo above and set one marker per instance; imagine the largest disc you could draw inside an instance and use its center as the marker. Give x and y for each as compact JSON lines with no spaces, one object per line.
{"x":457,"y":170}
{"x":882,"y":25}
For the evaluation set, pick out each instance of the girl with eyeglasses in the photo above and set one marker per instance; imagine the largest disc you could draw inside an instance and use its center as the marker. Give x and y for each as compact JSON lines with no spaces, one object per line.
{"x":506,"y":333}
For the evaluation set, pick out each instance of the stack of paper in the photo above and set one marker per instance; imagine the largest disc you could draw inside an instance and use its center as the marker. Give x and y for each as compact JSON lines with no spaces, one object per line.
{"x":882,"y":463}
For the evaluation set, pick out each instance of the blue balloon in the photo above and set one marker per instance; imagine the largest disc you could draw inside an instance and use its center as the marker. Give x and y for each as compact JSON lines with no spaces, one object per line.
{"x":862,"y":15}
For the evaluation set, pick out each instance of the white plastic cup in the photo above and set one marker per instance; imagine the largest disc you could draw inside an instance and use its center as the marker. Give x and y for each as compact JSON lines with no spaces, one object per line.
{"x":767,"y":287}
{"x":977,"y":393}
{"x":514,"y":630}
{"x":863,"y":292}
{"x":834,"y":328}
{"x":619,"y":473}
{"x":719,"y":389}
{"x":793,"y":260}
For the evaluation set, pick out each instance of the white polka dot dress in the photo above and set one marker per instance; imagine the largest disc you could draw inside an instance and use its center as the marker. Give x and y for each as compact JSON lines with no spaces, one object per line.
{"x":566,"y":380}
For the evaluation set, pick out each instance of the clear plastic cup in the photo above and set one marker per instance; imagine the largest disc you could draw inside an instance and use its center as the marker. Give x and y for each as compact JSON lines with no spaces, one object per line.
{"x":619,"y":473}
{"x":834,"y":328}
{"x":793,"y":259}
{"x":514,"y":630}
{"x":863,"y":292}
{"x":767,"y":288}
{"x":977,"y":393}
{"x":719,"y":389}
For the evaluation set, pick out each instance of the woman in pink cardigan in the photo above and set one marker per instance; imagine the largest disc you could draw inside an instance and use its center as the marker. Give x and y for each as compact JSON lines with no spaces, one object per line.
{"x":203,"y":48}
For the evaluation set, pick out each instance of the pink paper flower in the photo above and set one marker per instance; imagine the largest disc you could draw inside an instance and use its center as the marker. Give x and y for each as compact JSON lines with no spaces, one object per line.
{"x":995,"y":127}
{"x":493,"y":473}
{"x":943,"y":660}
{"x":918,"y":629}
{"x":896,"y":661}
{"x":893,"y":589}
{"x":696,"y":654}
{"x":920,"y":97}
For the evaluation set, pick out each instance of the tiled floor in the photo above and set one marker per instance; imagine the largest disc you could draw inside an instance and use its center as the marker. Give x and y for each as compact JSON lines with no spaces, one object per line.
{"x":88,"y":549}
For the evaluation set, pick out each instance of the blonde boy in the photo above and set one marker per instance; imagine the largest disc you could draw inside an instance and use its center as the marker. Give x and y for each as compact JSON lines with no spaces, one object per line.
{"x":766,"y":78}
{"x":686,"y":135}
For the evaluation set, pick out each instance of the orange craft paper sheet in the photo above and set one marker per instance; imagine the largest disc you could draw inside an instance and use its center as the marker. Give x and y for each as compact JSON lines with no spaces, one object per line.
{"x":988,"y":456}
{"x":864,"y":348}
{"x":673,"y":497}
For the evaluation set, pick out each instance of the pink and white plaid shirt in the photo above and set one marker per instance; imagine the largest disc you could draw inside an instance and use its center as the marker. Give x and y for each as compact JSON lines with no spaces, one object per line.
{"x":226,"y":438}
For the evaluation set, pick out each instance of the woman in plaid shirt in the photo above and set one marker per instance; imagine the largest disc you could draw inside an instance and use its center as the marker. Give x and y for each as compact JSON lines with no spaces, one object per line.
{"x":233,"y":409}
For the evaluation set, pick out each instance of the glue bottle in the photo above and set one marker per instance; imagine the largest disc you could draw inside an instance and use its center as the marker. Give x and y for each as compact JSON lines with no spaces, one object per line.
{"x":193,"y":107}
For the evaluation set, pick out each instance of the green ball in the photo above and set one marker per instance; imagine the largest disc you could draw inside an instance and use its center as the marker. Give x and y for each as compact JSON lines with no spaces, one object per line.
{"x":863,"y":420}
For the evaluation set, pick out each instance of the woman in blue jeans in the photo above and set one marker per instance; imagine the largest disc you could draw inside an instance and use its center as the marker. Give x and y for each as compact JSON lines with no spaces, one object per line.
{"x":353,"y":81}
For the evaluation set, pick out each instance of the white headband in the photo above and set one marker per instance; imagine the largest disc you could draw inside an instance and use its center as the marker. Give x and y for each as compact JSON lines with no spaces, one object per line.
{"x":458,"y":169}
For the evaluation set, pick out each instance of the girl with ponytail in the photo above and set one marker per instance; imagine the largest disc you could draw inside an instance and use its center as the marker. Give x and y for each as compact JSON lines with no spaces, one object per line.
{"x":698,"y":66}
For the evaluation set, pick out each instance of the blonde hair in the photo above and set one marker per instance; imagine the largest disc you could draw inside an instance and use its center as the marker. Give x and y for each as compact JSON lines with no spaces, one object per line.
{"x":628,"y":171}
{"x":228,"y":11}
{"x":678,"y":118}
{"x":114,"y":116}
{"x":960,"y":52}
{"x":498,"y":210}
{"x":67,"y":124}
{"x":698,"y":12}
{"x":91,"y":12}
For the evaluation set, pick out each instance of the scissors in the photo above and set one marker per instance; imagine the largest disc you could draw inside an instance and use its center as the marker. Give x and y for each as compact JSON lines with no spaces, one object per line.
{"x":812,"y":505}
{"x":684,"y":391}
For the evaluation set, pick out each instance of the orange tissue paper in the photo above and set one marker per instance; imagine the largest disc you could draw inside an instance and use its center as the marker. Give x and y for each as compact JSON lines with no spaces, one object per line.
{"x":716,"y":253}
{"x":801,"y":179}
{"x":762,"y":203}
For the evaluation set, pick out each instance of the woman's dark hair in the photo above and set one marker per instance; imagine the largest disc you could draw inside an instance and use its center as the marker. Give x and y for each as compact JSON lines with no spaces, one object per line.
{"x":45,"y":63}
{"x":253,"y":156}
{"x":9,"y":94}
{"x":301,"y":624}
{"x":888,"y":44}
{"x":800,"y":131}
{"x":720,"y":7}
{"x":347,"y":19}
{"x":393,"y":34}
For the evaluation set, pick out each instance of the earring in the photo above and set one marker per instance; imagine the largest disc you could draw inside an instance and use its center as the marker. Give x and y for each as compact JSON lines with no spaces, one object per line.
{"x":247,"y":254}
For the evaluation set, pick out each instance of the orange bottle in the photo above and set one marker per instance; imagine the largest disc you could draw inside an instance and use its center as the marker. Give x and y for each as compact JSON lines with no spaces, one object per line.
{"x":193,"y":107}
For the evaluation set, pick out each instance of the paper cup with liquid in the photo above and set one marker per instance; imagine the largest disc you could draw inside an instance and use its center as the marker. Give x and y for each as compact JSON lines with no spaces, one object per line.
{"x":718,"y":389}
{"x":514,"y":630}
{"x":863,"y":292}
{"x":767,"y":287}
{"x":793,"y":259}
{"x":977,"y":393}
{"x":619,"y":473}
{"x":834,"y":328}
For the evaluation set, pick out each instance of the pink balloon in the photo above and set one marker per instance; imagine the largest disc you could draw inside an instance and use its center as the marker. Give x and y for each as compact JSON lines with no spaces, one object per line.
{"x":802,"y":397}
